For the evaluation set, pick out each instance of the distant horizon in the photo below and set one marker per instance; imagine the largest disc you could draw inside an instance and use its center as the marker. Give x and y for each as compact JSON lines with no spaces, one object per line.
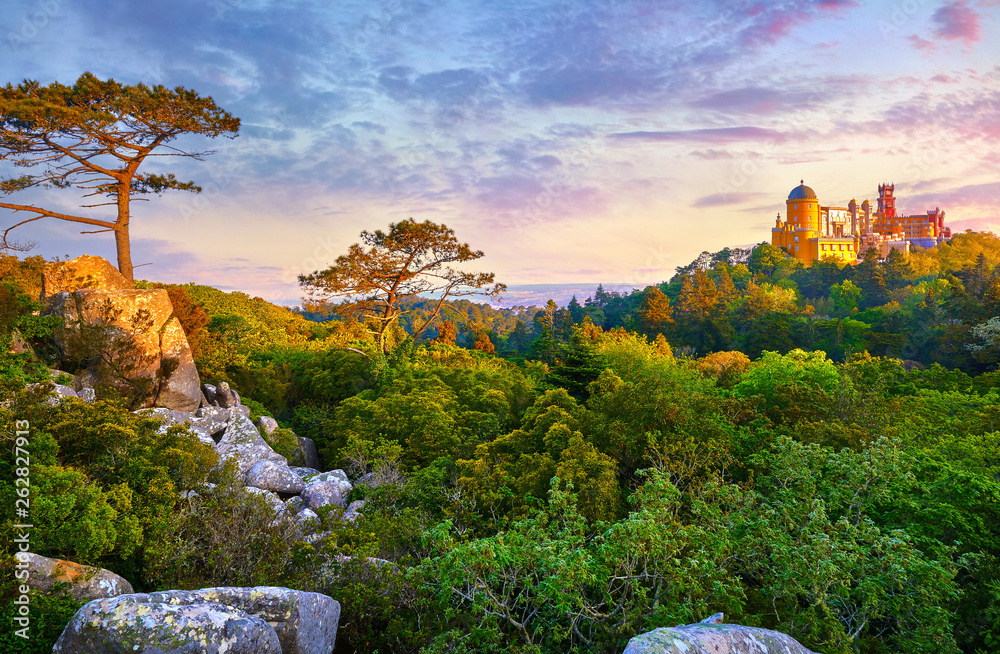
{"x":565,"y":140}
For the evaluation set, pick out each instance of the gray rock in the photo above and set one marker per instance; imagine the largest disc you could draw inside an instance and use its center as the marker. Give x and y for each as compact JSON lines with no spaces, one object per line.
{"x":294,"y":504}
{"x":306,"y":623}
{"x":139,"y":623}
{"x":240,"y":410}
{"x":209,"y":391}
{"x":242,"y":444}
{"x":236,"y":397}
{"x":303,"y":472}
{"x":84,"y":583}
{"x":224,"y":395}
{"x":338,"y":476}
{"x":203,"y":436}
{"x":169,"y":417}
{"x":351,"y":513}
{"x":271,"y":476}
{"x":322,"y":493}
{"x":307,"y":518}
{"x":709,"y":638}
{"x":57,"y":394}
{"x":271,"y":498}
{"x":211,"y":419}
{"x":88,"y":395}
{"x":63,"y":391}
{"x":267,"y":424}
{"x":310,"y":455}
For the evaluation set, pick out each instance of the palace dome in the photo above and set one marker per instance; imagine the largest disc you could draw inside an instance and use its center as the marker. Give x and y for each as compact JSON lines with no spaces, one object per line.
{"x":802,"y":192}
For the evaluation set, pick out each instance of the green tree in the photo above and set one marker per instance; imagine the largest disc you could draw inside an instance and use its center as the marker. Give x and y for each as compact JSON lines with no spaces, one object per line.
{"x":94,"y":136}
{"x":378,"y":277}
{"x":896,"y":270}
{"x":845,"y":296}
{"x":870,"y":278}
{"x":765,"y":259}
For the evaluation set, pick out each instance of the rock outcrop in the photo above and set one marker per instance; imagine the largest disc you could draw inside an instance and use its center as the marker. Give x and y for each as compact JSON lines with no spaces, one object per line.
{"x":83,"y":272}
{"x":137,"y":331}
{"x":82,"y":582}
{"x":243,"y":444}
{"x":215,"y":620}
{"x":323,"y":493}
{"x":713,"y":637}
{"x":271,"y":476}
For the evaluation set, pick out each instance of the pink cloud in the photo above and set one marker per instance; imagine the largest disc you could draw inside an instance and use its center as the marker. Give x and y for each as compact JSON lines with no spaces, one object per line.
{"x":922,"y":44}
{"x":957,"y":22}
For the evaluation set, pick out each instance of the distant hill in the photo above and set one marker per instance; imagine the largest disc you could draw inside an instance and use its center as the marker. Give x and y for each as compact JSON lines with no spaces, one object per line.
{"x":526,"y":295}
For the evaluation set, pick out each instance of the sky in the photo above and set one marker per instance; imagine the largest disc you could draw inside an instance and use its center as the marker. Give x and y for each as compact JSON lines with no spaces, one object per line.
{"x":573,"y":141}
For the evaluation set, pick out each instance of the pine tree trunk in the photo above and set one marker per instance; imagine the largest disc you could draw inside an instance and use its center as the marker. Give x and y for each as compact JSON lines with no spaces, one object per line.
{"x":121,"y":234}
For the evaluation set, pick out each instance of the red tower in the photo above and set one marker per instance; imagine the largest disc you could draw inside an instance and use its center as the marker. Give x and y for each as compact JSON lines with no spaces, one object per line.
{"x":886,"y":203}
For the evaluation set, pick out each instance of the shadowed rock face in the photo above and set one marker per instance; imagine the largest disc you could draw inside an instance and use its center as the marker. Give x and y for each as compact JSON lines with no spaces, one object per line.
{"x":714,"y":639}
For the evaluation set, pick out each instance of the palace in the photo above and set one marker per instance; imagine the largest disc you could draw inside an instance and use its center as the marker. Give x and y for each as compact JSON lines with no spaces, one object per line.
{"x":812,"y":232}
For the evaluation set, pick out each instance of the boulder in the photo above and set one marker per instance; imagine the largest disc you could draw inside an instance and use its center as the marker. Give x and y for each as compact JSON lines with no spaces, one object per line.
{"x":304,"y":472}
{"x":88,"y":395}
{"x":168,"y":416}
{"x":306,"y":623}
{"x":182,"y":387}
{"x":137,"y":623}
{"x":307,"y":518}
{"x":714,"y":638}
{"x":322,"y":493}
{"x":224,"y":396}
{"x":212,"y":419}
{"x":136,"y":329}
{"x":84,"y":583}
{"x":267,"y":424}
{"x":310,"y":455}
{"x":209,"y":391}
{"x":243,"y":444}
{"x":83,"y":272}
{"x":272,"y":476}
{"x":63,"y":391}
{"x":338,"y":476}
{"x":351,"y":513}
{"x":271,"y":498}
{"x":240,"y":410}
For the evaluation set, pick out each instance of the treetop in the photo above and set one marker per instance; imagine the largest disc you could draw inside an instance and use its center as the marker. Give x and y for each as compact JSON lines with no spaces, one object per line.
{"x":112,"y":113}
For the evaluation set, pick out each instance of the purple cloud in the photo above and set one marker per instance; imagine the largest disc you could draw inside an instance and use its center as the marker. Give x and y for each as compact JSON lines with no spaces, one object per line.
{"x":755,"y":100}
{"x":957,"y":22}
{"x":709,"y":135}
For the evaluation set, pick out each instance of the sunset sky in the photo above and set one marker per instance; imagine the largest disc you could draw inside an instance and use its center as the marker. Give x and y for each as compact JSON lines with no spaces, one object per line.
{"x":572,"y":141}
